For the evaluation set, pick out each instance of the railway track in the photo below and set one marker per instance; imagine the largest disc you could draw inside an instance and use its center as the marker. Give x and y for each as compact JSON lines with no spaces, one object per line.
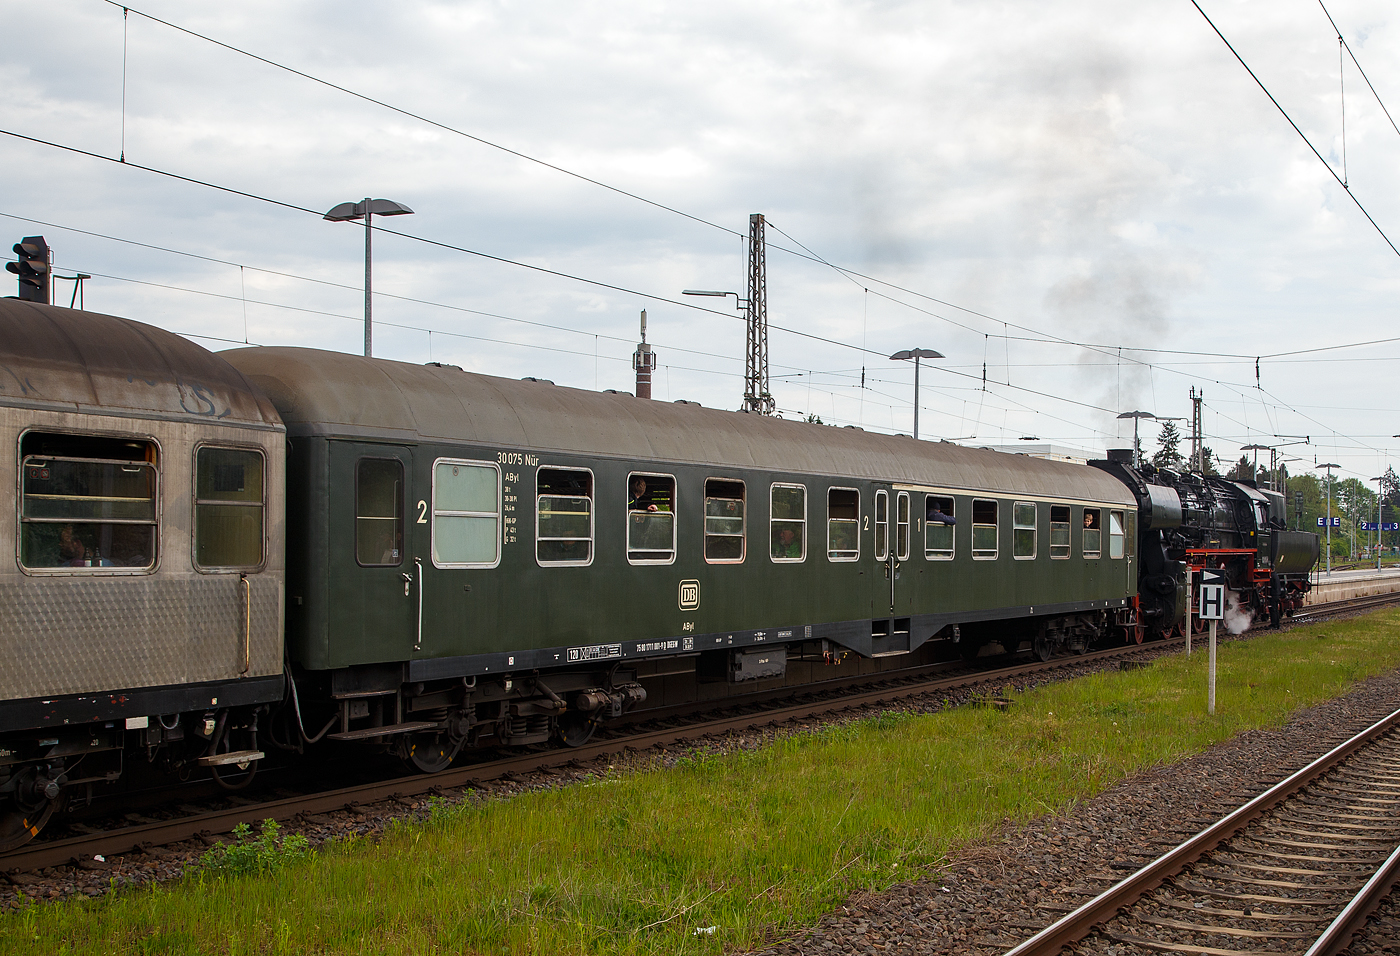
{"x":655,"y":730}
{"x":1298,"y":869}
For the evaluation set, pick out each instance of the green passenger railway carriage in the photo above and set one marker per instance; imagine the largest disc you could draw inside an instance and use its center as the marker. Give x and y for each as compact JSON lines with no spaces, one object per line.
{"x":471,"y":557}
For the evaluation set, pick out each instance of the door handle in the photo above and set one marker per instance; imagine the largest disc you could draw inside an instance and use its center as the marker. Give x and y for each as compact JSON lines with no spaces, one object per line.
{"x":407,"y":582}
{"x":418,"y":570}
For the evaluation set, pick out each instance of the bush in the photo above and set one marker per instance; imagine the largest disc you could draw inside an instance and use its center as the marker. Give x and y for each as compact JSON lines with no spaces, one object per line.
{"x":262,"y":854}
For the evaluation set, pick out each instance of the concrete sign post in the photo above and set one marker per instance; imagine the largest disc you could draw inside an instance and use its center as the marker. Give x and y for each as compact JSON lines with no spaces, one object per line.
{"x":1211,"y":607}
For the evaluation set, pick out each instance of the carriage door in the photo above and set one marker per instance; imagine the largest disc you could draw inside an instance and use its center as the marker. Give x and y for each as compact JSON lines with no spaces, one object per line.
{"x":889,"y":622}
{"x":387,"y":587}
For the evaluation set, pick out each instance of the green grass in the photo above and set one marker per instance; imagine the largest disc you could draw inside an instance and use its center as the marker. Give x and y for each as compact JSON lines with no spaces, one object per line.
{"x":752,"y":843}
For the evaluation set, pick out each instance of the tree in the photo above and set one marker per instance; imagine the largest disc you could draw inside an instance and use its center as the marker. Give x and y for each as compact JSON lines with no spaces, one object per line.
{"x":1209,"y":461}
{"x":1243,"y":469}
{"x":1167,"y":455}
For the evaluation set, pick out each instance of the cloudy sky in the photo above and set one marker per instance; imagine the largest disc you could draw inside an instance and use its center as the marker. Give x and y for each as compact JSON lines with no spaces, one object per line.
{"x":1092,"y":201}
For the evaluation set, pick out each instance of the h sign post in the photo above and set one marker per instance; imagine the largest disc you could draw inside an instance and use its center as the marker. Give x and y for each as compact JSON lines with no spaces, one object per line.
{"x":1211,"y":608}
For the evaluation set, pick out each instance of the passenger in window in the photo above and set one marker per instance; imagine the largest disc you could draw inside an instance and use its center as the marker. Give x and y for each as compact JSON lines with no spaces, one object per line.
{"x":641,"y":498}
{"x":1091,"y":519}
{"x":71,"y":551}
{"x":937,"y":516}
{"x":786,"y":544}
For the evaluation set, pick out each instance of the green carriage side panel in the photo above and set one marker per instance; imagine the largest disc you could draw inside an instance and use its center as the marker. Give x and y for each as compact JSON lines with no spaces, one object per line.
{"x":340,"y":409}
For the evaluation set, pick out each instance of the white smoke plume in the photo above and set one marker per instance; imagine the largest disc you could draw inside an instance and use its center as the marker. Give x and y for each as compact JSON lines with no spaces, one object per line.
{"x":1237,"y":618}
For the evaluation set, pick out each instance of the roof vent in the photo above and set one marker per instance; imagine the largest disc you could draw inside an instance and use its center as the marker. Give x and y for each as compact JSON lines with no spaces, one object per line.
{"x":614,"y":391}
{"x":856,"y":427}
{"x":442,"y":365}
{"x":542,"y":381}
{"x":682,"y":401}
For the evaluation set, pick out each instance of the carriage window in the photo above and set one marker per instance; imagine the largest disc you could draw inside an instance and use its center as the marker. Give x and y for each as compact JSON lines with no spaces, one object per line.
{"x":843,"y":524}
{"x":1093,"y":534}
{"x":787,"y":523}
{"x":1059,"y":531}
{"x":882,"y":525}
{"x":939,"y":519}
{"x":87,"y":502}
{"x":984,"y":530}
{"x":228,"y":508}
{"x":901,"y":524}
{"x":379,"y":512}
{"x":1023,"y":530}
{"x":1115,"y":534}
{"x":651,"y":519}
{"x":724,"y":521}
{"x":563,"y":516}
{"x":466,"y":514}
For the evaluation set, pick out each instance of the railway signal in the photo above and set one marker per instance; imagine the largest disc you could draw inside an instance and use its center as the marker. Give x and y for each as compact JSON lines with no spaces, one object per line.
{"x":32,"y":267}
{"x":1211,"y":607}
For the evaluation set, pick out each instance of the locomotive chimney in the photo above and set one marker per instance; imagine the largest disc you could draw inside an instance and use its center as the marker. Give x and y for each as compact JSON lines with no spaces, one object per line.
{"x":644,"y":360}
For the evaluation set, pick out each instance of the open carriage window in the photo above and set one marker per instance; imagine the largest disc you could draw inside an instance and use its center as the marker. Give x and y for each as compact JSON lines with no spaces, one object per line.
{"x":1059,"y":531}
{"x":651,"y":518}
{"x":724,"y":521}
{"x":87,"y":502}
{"x":563,"y":516}
{"x":1092,"y":542}
{"x":940,"y":517}
{"x":984,"y":530}
{"x":843,"y":524}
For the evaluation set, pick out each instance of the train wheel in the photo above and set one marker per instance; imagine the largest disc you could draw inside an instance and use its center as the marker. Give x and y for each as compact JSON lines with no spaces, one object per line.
{"x":1042,"y":647}
{"x":431,"y":753}
{"x":22,"y":820}
{"x":575,"y":729}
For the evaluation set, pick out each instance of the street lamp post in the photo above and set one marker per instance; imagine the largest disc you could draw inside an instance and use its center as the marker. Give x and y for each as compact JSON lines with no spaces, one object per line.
{"x":915,"y":354}
{"x":1136,"y":417}
{"x":367,"y":210}
{"x":1329,"y":466}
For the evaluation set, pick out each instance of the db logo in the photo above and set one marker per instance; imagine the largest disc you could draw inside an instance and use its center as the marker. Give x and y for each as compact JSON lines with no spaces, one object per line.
{"x":689,"y":595}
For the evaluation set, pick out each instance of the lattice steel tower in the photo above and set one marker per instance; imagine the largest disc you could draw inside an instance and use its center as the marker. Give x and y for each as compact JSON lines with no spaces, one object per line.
{"x":1198,"y":461}
{"x":757,"y":398}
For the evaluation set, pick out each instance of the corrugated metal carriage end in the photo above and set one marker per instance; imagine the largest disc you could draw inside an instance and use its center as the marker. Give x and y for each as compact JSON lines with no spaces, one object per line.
{"x":143,"y":604}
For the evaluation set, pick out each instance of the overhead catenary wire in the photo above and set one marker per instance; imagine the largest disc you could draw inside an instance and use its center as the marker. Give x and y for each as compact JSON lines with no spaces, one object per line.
{"x":1300,"y":133}
{"x":809,"y":253}
{"x":806,"y":252}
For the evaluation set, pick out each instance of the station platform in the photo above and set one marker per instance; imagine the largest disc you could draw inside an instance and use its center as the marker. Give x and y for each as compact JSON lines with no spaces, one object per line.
{"x":1345,"y":585}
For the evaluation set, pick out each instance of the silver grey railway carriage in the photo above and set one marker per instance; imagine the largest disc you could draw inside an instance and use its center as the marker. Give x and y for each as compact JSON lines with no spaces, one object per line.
{"x":141,"y":605}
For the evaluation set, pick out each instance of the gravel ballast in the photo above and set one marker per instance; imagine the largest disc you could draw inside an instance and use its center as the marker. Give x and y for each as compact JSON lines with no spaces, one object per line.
{"x":995,"y":895}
